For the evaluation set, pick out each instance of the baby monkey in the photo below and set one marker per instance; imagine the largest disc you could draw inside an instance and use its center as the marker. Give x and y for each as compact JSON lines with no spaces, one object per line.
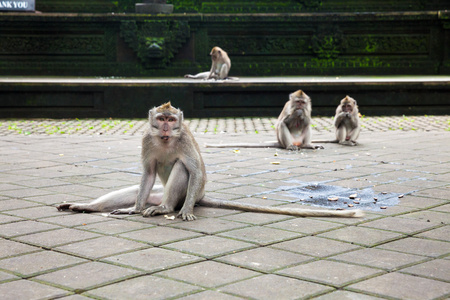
{"x":170,"y":152}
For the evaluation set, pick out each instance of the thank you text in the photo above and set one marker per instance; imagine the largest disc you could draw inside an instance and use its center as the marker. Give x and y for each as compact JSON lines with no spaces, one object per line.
{"x":17,"y":5}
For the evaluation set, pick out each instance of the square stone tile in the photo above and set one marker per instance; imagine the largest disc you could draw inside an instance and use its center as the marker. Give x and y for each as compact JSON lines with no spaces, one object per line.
{"x":264,"y":259}
{"x":11,"y":248}
{"x":57,"y":199}
{"x":402,"y":286}
{"x":315,"y":246}
{"x":372,"y":257}
{"x":38,"y":262}
{"x":16,"y":204}
{"x":208,"y":274}
{"x":153,"y":259}
{"x":101,"y":247}
{"x":36,"y":212}
{"x":271,"y":286}
{"x":22,"y":193}
{"x":442,"y":208}
{"x":7,"y":219}
{"x":329,"y":272}
{"x":24,"y":227}
{"x":210,"y":225}
{"x":393,"y":210}
{"x":345,"y":295}
{"x":429,"y":216}
{"x":435,"y":269}
{"x":86,"y":276}
{"x":7,"y":277}
{"x":209,"y":246}
{"x":114,"y":226}
{"x":159,"y":220}
{"x":56,"y":237}
{"x":419,"y":202}
{"x":434,"y":193}
{"x":208,"y":295}
{"x":442,"y":233}
{"x":305,"y":225}
{"x":160,"y":235}
{"x":261,"y":235}
{"x":212,"y":212}
{"x":398,"y":224}
{"x":25,"y":289}
{"x":361,"y":235}
{"x":256,"y":218}
{"x":418,"y":246}
{"x":75,"y":219}
{"x":246,"y":190}
{"x":145,"y":288}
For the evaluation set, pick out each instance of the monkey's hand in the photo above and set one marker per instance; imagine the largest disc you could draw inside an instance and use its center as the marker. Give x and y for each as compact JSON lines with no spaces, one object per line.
{"x":186,"y":216}
{"x":125,"y":211}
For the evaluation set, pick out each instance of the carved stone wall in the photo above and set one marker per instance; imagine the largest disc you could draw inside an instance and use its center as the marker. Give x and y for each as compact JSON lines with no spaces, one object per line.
{"x":258,"y":44}
{"x":246,"y":6}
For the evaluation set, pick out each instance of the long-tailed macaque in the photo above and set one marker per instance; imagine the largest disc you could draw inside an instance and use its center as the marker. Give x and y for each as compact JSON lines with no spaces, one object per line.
{"x":346,"y":122}
{"x":220,"y":66}
{"x":170,"y":151}
{"x":292,"y":128}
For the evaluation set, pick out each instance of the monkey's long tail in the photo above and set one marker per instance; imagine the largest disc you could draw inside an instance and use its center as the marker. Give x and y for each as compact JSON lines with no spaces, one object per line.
{"x":245,"y":145}
{"x":211,"y":202}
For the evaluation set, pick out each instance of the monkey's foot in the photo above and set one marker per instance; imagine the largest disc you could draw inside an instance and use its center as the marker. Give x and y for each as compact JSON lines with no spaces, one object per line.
{"x":64,"y":206}
{"x":318,"y":147}
{"x":186,"y":216}
{"x":292,"y":148}
{"x":348,"y":143}
{"x":73,"y":207}
{"x":156,"y":210}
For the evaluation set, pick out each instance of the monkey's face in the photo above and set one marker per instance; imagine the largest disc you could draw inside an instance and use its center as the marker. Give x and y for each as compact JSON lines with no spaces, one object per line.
{"x":166,"y":125}
{"x":347,"y":107}
{"x":299,"y":103}
{"x":215,"y":53}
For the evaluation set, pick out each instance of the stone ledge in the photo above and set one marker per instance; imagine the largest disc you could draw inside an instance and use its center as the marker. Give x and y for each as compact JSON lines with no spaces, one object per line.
{"x":69,"y":97}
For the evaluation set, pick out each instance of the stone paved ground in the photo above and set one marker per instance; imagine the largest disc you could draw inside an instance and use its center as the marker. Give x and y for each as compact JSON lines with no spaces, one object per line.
{"x":227,"y":125}
{"x":399,"y":252}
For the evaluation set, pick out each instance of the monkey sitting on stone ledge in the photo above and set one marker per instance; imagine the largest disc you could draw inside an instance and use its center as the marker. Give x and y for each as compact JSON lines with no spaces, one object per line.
{"x":220,"y":66}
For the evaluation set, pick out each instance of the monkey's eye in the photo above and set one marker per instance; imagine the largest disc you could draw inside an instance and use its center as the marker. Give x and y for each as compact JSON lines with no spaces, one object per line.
{"x":172,"y":119}
{"x":161,"y":119}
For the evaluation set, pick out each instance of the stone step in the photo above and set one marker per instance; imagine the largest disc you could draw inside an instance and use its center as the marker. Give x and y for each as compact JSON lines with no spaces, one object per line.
{"x":75,"y":97}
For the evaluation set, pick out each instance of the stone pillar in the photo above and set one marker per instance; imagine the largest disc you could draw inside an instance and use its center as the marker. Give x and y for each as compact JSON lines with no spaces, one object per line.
{"x":154,"y":7}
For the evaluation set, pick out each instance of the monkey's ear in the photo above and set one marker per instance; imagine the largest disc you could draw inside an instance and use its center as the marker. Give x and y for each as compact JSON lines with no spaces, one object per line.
{"x":180,"y":117}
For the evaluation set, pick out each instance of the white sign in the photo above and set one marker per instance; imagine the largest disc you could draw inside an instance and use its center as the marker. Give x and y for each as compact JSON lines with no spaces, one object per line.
{"x":17,"y":5}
